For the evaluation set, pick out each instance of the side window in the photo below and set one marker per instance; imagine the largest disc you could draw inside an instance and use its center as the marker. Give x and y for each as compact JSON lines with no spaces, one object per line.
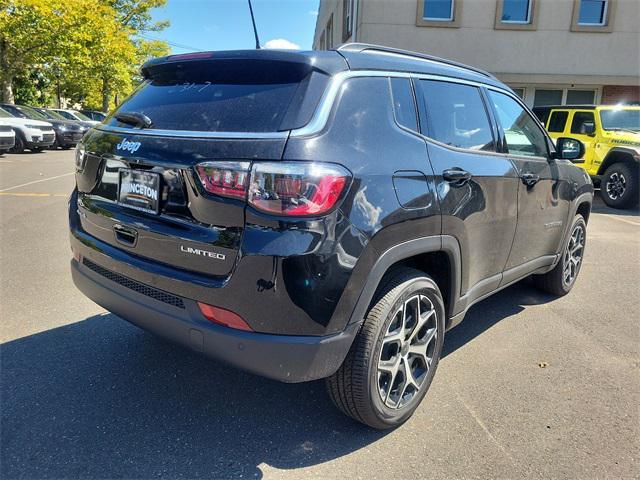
{"x":456,"y":115}
{"x":579,"y":119}
{"x":558,"y":121}
{"x":403,"y":105}
{"x":523,"y":133}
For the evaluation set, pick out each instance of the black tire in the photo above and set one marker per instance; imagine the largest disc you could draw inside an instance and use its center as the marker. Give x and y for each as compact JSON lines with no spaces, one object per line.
{"x":36,"y":149}
{"x":66,"y":147}
{"x":619,"y":185}
{"x":355,"y":387}
{"x":19,"y":145}
{"x":555,"y":281}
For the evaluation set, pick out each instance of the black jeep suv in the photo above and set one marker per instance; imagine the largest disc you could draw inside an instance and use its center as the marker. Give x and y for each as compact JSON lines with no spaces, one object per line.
{"x":307,"y":215}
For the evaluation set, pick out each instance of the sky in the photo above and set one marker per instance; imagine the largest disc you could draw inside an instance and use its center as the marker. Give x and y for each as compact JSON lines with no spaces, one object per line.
{"x":226,"y":24}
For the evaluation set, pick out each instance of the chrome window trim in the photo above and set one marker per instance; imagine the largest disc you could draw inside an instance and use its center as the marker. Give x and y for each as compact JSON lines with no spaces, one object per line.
{"x":323,"y":111}
{"x":192,"y":133}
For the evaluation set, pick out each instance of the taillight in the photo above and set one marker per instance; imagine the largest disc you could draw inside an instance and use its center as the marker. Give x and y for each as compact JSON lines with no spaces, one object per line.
{"x":223,"y":317}
{"x":228,"y":179}
{"x":279,"y":188}
{"x":296,"y":188}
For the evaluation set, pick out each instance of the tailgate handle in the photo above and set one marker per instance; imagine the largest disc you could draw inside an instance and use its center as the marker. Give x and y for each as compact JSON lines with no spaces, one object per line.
{"x":125,"y":235}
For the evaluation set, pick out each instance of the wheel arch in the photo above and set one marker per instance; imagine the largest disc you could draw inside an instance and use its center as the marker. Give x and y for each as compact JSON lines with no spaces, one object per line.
{"x":436,"y":256}
{"x":619,"y":155}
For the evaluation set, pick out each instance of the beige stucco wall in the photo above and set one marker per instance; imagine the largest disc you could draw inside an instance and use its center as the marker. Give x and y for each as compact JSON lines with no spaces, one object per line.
{"x":551,"y":53}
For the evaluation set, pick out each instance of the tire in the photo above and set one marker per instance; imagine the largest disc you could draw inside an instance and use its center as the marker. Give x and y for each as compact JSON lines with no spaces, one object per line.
{"x":562,"y":278}
{"x":619,"y":185}
{"x":36,"y":149}
{"x":19,"y":145}
{"x":362,"y":387}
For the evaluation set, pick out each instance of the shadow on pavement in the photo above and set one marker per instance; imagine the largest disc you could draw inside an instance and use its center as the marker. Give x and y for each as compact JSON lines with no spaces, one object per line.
{"x":485,"y":314}
{"x":103,"y":399}
{"x":600,"y":207}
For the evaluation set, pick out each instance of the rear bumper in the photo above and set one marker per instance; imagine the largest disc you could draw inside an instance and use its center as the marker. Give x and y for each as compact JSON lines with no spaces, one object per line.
{"x":69,"y":139}
{"x":40,"y":142}
{"x":280,"y":357}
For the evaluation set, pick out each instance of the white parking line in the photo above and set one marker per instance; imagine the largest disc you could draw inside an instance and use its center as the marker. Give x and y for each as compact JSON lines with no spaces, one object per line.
{"x":613,"y":217}
{"x":37,"y":181}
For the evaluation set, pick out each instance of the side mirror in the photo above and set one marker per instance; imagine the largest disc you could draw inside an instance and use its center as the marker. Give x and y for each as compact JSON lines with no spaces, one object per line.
{"x":569,"y":149}
{"x":588,"y":128}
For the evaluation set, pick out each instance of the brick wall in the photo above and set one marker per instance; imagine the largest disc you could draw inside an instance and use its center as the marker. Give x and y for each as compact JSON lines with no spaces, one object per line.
{"x":612,"y":94}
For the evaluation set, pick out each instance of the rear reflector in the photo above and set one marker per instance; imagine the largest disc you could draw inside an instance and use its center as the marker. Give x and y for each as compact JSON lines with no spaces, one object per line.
{"x":223,"y":317}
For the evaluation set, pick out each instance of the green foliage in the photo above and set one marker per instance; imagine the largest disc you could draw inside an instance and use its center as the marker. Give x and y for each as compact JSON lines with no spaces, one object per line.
{"x":83,"y":50}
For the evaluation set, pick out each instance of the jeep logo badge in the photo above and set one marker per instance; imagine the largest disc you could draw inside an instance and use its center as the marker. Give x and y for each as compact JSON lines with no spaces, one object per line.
{"x":132,"y":147}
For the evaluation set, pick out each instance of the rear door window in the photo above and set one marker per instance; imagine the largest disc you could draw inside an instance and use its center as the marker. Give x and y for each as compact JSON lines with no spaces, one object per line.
{"x":217,"y":96}
{"x":558,"y":121}
{"x":456,"y":115}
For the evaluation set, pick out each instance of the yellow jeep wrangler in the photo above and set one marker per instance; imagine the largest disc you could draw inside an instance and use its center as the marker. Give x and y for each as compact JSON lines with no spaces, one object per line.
{"x":611,"y":137}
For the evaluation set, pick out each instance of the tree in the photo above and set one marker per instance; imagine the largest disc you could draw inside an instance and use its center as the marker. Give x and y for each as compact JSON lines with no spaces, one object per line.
{"x":89,"y":50}
{"x":31,"y":31}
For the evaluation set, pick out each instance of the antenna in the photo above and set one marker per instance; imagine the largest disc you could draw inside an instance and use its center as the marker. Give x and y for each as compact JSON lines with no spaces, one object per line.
{"x":255,"y":30}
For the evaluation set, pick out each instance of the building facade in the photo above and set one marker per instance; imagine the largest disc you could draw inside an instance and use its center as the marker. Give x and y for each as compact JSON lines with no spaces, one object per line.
{"x":549,"y":51}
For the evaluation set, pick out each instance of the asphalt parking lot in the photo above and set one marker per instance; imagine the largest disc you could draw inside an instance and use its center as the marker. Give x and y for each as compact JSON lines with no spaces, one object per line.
{"x":530,"y":386}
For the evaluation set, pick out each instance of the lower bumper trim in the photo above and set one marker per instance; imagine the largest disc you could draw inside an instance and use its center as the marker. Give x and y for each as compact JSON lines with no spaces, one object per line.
{"x":280,"y":357}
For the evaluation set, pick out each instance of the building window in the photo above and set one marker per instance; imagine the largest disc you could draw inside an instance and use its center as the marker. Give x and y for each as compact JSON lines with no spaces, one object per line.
{"x":545,"y":97}
{"x":593,"y":12}
{"x":329,"y":33}
{"x":516,"y":15}
{"x":519,"y":92}
{"x":347,"y":18}
{"x":581,"y":97}
{"x":438,"y":13}
{"x":592,"y":15}
{"x":323,"y":42}
{"x":516,"y":11}
{"x":438,"y":10}
{"x":563,"y":96}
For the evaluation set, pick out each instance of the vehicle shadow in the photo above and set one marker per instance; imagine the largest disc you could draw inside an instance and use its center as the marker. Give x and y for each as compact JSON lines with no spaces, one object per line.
{"x":485,"y":314}
{"x":600,"y":207}
{"x":103,"y":399}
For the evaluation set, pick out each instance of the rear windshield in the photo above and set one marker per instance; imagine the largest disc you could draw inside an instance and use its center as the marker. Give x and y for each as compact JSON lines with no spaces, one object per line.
{"x":217,"y":96}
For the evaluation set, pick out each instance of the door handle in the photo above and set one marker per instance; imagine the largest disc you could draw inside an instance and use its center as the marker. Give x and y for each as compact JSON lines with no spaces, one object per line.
{"x":530,"y":179}
{"x":456,"y":176}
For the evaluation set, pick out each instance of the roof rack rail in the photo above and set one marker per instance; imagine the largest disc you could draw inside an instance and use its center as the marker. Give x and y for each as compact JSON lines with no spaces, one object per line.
{"x":365,"y":47}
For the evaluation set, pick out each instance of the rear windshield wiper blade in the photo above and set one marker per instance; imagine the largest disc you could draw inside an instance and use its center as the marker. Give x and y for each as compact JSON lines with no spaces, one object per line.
{"x":136,"y":119}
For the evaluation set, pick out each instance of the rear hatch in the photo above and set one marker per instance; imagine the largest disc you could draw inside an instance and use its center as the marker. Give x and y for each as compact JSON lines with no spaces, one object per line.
{"x":138,"y":189}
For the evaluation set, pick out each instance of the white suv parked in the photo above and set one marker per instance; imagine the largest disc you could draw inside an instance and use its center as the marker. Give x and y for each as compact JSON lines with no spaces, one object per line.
{"x":30,"y":134}
{"x":70,"y":114}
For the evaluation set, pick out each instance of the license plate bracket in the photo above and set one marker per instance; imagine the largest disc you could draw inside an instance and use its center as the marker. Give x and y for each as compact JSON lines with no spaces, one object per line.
{"x":139,"y":189}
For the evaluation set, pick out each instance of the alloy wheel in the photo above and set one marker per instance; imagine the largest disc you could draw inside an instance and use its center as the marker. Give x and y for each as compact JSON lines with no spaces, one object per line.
{"x":407,"y":351}
{"x":573,"y":255}
{"x":616,"y":185}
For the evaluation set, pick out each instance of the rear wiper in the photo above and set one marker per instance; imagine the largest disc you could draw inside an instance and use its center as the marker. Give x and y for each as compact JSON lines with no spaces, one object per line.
{"x":136,"y":119}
